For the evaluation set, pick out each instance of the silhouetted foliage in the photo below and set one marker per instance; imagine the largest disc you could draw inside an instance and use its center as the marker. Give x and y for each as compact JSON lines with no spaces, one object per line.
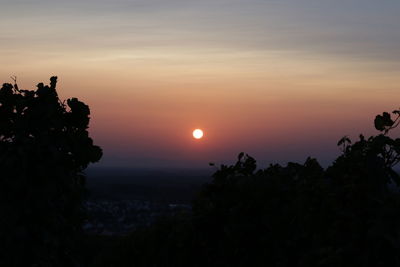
{"x":294,"y":215}
{"x":44,"y":149}
{"x":385,"y":123}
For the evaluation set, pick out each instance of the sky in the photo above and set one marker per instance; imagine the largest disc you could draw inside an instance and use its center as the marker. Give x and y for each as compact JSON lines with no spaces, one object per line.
{"x":278,"y":79}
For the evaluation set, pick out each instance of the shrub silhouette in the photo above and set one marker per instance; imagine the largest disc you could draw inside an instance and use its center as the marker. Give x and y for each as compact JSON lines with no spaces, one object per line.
{"x":44,"y":148}
{"x":294,"y":215}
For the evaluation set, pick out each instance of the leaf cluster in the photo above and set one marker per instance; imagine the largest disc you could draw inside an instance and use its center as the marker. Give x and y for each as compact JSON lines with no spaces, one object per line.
{"x":385,"y":122}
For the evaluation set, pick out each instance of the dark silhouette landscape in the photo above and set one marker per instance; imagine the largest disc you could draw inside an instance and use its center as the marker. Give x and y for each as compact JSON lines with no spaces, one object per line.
{"x":56,"y":212}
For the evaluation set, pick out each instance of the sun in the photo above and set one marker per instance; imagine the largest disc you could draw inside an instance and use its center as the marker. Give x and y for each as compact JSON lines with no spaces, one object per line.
{"x":198,"y":134}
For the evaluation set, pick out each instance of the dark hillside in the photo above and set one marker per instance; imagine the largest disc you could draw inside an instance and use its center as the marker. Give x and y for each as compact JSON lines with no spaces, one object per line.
{"x":171,"y":185}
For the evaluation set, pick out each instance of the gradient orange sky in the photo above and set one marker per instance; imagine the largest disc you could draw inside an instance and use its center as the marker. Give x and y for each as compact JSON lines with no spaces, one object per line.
{"x":280,"y":80}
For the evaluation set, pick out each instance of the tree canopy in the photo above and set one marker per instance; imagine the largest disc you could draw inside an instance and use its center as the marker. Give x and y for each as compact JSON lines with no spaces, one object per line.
{"x":44,"y":149}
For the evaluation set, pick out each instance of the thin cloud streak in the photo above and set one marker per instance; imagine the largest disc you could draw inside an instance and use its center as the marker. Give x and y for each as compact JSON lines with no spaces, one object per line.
{"x":356,"y":30}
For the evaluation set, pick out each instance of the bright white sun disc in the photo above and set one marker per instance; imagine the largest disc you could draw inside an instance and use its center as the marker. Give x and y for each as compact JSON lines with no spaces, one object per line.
{"x":198,"y":133}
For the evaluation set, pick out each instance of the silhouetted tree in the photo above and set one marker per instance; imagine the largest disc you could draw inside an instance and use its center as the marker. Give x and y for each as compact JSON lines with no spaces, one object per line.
{"x":44,"y":149}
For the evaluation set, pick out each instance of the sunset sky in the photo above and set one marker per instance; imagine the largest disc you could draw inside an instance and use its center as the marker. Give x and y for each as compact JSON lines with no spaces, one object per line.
{"x":278,"y":79}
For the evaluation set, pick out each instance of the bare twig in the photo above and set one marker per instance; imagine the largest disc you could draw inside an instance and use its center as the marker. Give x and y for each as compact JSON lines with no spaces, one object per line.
{"x":14,"y":78}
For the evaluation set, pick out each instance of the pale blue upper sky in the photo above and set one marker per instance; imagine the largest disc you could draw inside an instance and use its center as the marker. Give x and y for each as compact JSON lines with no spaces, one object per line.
{"x":360,"y":29}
